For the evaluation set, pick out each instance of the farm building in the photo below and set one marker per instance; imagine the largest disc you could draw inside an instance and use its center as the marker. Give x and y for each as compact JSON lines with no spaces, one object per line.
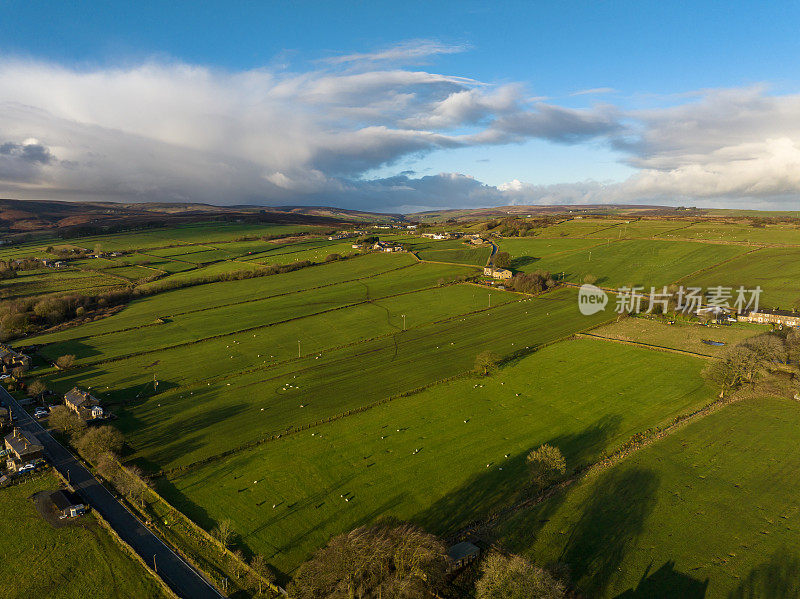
{"x":10,"y":359}
{"x":83,"y":403}
{"x":498,"y":273}
{"x":462,"y":554}
{"x":787,"y":318}
{"x":22,"y":447}
{"x":66,"y":505}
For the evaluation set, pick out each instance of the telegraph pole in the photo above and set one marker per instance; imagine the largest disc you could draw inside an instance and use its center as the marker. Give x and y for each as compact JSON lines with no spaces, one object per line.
{"x":404,"y":321}
{"x":298,"y":348}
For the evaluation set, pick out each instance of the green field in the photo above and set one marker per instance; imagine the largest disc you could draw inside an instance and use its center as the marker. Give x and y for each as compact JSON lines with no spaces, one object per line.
{"x":274,"y":400}
{"x":776,"y":271}
{"x":74,"y":561}
{"x":145,"y":311}
{"x":57,"y":281}
{"x":780,"y":234}
{"x":223,"y":409}
{"x":684,"y":336}
{"x":466,"y":255}
{"x":585,"y":396}
{"x":710,"y":511}
{"x":634,"y":262}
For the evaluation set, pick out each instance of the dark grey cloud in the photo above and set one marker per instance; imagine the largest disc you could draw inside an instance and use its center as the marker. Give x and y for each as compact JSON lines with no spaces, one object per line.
{"x":22,"y":162}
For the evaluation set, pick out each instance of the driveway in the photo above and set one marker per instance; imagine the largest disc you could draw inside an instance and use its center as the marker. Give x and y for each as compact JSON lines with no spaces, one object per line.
{"x":182,"y":578}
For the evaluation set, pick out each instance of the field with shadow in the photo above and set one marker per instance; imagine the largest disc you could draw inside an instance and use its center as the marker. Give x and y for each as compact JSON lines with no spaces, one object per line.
{"x":710,"y":511}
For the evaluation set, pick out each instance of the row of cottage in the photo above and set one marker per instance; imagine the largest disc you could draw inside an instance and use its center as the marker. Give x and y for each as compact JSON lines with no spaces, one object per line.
{"x":21,"y":448}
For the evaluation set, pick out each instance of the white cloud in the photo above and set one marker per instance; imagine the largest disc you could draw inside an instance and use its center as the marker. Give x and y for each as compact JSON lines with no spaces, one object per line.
{"x":171,"y":131}
{"x":411,"y":51}
{"x":594,"y":91}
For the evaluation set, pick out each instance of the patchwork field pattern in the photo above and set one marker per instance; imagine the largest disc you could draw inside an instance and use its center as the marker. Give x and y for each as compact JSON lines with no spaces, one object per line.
{"x":443,"y":457}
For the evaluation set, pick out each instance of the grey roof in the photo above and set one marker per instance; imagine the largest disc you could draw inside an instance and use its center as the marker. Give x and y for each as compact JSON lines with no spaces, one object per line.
{"x":21,"y":444}
{"x":777,"y":312}
{"x":461,"y":550}
{"x":81,"y":399}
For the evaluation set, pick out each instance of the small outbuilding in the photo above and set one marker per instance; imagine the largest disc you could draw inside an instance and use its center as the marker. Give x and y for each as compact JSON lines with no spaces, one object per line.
{"x":462,"y":554}
{"x":66,"y":504}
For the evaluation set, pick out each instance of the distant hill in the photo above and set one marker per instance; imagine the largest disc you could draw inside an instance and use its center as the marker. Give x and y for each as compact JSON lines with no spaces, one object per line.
{"x":32,"y":216}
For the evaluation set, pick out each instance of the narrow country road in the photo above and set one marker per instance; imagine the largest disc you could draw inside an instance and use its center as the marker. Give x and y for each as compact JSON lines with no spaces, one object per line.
{"x":184,"y":580}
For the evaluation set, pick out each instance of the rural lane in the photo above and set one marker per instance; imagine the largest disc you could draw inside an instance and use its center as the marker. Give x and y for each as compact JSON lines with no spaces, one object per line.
{"x":184,"y":580}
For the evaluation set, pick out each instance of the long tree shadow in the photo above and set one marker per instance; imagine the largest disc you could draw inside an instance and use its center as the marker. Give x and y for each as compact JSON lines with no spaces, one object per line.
{"x":666,"y":582}
{"x":620,"y":503}
{"x":504,"y":484}
{"x":522,"y":261}
{"x":777,"y":577}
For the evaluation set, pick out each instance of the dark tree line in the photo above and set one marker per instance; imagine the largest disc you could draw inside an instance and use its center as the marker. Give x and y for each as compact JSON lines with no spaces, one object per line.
{"x":392,"y":560}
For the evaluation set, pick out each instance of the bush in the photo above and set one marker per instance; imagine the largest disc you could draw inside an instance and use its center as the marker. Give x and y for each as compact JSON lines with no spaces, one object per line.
{"x":66,"y":361}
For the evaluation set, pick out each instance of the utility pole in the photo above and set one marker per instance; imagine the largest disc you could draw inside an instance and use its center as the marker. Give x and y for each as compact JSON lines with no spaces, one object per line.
{"x":155,"y":568}
{"x":298,"y":348}
{"x":590,"y":256}
{"x":404,"y":321}
{"x":490,"y":300}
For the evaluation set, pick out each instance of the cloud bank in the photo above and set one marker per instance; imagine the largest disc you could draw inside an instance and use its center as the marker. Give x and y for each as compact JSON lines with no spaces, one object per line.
{"x":177,"y":132}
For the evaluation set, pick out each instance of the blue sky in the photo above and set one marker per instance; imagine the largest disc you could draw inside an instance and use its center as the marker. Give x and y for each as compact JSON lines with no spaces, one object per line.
{"x":721,"y":72}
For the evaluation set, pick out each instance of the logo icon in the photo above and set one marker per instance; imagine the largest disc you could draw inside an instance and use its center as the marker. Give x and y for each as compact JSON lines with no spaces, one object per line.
{"x":591,"y":299}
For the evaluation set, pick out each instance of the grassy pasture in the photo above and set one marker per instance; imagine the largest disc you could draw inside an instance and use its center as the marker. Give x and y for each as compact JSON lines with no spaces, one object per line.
{"x":229,"y":355}
{"x":466,"y":255}
{"x":57,"y":281}
{"x":216,"y":268}
{"x":635,"y":262}
{"x":78,"y":560}
{"x":710,"y":511}
{"x":776,"y":271}
{"x":315,"y":250}
{"x":642,"y":228}
{"x":523,"y":249}
{"x":782,"y":233}
{"x":205,"y":323}
{"x":681,"y":336}
{"x":578,"y":227}
{"x":183,"y":234}
{"x":585,"y":396}
{"x":172,"y":303}
{"x":269,"y":399}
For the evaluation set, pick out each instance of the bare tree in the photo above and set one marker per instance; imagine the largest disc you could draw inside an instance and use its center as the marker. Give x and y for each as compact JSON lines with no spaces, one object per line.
{"x":36,"y":388}
{"x":486,"y":361}
{"x":502,"y":260}
{"x":739,"y":365}
{"x":62,"y":418}
{"x":260,"y":572}
{"x":223,"y":532}
{"x":513,"y":577}
{"x":383,"y":560}
{"x":547,"y":463}
{"x":99,"y":440}
{"x":65,"y":362}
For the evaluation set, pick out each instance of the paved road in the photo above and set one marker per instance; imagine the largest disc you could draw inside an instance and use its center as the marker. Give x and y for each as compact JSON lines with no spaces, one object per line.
{"x":180,"y":576}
